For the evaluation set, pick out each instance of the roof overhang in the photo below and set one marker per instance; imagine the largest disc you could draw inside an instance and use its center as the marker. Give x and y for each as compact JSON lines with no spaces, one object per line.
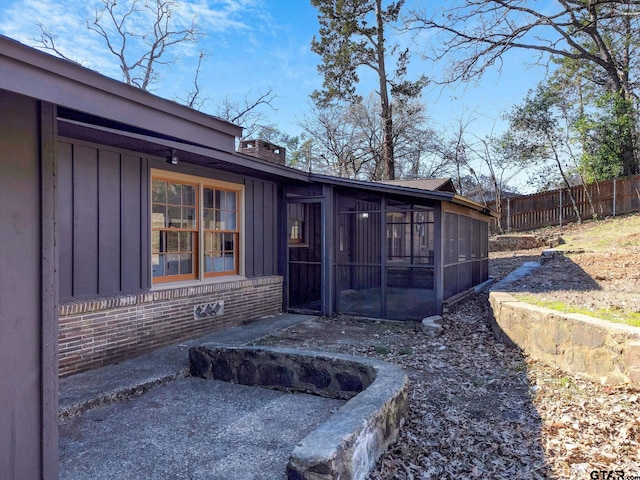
{"x":186,"y":152}
{"x":36,"y":74}
{"x":99,"y":109}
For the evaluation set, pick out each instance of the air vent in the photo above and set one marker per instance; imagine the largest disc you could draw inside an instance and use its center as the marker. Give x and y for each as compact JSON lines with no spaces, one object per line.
{"x":208,"y":310}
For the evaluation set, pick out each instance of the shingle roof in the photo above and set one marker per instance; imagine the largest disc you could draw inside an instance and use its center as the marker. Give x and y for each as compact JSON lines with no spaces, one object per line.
{"x":434,"y":184}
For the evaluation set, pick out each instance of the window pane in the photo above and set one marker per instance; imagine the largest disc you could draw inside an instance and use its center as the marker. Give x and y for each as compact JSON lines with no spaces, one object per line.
{"x":155,"y":242}
{"x":215,"y":262}
{"x":157,"y":265}
{"x":159,"y":216}
{"x":186,"y":241}
{"x":231,"y":221}
{"x":207,"y":201}
{"x":162,"y":243}
{"x":231,"y":200}
{"x":186,"y":263}
{"x":217,"y":242}
{"x":172,"y":242}
{"x":219,"y":222}
{"x":229,"y":262}
{"x":173,"y":264}
{"x":189,"y":218}
{"x":229,"y":242}
{"x":208,"y":219}
{"x":217,"y":199}
{"x":189,"y":195}
{"x":174,"y":193}
{"x":159,"y":191}
{"x":175,"y":217}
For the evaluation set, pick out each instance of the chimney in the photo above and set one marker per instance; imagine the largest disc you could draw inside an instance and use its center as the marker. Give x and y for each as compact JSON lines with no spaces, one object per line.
{"x":263,"y":150}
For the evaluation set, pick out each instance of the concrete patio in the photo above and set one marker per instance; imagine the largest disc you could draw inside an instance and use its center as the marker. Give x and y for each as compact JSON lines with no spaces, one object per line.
{"x":108,"y":429}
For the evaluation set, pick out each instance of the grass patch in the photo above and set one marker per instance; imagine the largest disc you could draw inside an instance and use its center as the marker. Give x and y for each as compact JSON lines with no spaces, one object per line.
{"x":382,"y":350}
{"x":619,"y":233}
{"x":611,"y":315}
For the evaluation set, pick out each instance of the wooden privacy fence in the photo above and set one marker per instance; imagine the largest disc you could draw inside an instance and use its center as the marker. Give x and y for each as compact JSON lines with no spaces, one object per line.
{"x":601,"y":199}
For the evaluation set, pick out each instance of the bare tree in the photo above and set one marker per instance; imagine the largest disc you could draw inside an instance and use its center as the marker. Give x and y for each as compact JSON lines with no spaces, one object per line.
{"x":141,"y":35}
{"x":334,"y":147}
{"x":347,"y":138}
{"x":600,"y":34}
{"x":144,"y":36}
{"x":483,"y":169}
{"x":247,"y":112}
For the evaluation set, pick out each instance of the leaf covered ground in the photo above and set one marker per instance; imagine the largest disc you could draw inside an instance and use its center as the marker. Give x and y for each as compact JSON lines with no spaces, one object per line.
{"x":479,"y":409}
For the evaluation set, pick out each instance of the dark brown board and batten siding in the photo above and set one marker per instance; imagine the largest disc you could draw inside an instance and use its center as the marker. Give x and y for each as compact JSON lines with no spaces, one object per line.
{"x":102,"y":207}
{"x":103,"y":223}
{"x":28,"y":369}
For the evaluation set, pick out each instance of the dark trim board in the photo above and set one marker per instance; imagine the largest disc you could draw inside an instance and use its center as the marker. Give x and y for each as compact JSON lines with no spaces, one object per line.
{"x":49,"y":292}
{"x":28,"y":290}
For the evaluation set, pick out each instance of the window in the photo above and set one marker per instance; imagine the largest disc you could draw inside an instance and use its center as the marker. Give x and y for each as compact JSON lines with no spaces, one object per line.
{"x":220,"y":231}
{"x":194,"y":228}
{"x":297,"y":224}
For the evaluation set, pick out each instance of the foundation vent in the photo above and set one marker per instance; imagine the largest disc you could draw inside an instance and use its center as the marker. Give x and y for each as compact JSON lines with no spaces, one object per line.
{"x":208,"y":310}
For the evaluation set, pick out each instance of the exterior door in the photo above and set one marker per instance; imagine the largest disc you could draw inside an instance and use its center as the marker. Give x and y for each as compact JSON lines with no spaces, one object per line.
{"x":304,"y":264}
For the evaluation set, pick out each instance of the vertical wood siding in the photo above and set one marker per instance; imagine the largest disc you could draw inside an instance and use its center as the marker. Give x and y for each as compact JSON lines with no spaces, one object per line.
{"x":103,"y":225}
{"x":261,"y":233}
{"x":101,"y":215}
{"x":21,"y":293}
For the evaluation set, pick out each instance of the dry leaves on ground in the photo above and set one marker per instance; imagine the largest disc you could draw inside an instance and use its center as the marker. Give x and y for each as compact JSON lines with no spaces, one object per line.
{"x":479,"y":409}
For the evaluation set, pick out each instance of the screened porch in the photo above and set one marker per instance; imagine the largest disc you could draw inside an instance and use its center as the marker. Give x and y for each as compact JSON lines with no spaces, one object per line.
{"x":377,"y":255}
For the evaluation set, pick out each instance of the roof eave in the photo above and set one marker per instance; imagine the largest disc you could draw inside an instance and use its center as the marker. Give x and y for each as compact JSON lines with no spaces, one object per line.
{"x":62,"y":82}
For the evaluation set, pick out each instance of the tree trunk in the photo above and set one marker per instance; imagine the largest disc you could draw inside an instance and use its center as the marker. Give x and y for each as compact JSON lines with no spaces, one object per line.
{"x":568,"y":185}
{"x":387,"y":120}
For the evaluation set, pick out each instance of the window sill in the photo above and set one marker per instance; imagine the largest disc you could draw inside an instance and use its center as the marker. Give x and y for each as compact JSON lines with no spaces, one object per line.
{"x":196,"y":283}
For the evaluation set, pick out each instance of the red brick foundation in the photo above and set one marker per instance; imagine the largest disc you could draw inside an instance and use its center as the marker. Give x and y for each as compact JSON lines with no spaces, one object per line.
{"x":105,"y":331}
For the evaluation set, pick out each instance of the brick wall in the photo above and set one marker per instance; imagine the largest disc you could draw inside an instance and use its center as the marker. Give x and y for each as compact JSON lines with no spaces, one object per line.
{"x":264,"y":150}
{"x":104,"y":331}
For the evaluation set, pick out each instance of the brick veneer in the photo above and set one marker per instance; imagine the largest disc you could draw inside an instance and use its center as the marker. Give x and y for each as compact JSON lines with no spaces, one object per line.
{"x":104,"y":331}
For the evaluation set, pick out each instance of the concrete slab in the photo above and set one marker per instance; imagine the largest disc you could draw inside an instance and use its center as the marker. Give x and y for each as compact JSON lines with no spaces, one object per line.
{"x":522,"y":271}
{"x":182,"y":427}
{"x":191,"y":428}
{"x":133,"y":377}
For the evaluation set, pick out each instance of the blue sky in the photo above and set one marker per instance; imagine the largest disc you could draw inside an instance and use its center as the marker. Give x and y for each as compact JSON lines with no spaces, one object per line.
{"x":256,"y":44}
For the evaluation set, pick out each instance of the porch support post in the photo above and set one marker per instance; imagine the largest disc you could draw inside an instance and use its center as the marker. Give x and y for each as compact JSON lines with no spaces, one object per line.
{"x":328,"y":250}
{"x":49,"y":282}
{"x":383,"y":256}
{"x":438,"y":271}
{"x":283,"y":245}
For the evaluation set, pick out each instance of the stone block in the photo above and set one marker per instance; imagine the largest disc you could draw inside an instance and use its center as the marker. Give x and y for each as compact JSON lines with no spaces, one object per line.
{"x":317,"y":376}
{"x":634,"y":376}
{"x":587,"y":335}
{"x":631,"y":355}
{"x":200,"y":363}
{"x":432,"y":325}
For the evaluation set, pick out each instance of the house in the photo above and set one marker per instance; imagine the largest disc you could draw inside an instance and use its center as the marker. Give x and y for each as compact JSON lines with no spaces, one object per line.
{"x":130,"y":222}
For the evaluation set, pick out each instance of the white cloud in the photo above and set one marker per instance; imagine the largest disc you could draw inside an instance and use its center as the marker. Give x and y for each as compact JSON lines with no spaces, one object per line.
{"x":66,"y":21}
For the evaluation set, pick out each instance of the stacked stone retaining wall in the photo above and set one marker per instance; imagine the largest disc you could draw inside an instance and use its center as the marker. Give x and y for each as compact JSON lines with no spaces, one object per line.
{"x":605,"y":352}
